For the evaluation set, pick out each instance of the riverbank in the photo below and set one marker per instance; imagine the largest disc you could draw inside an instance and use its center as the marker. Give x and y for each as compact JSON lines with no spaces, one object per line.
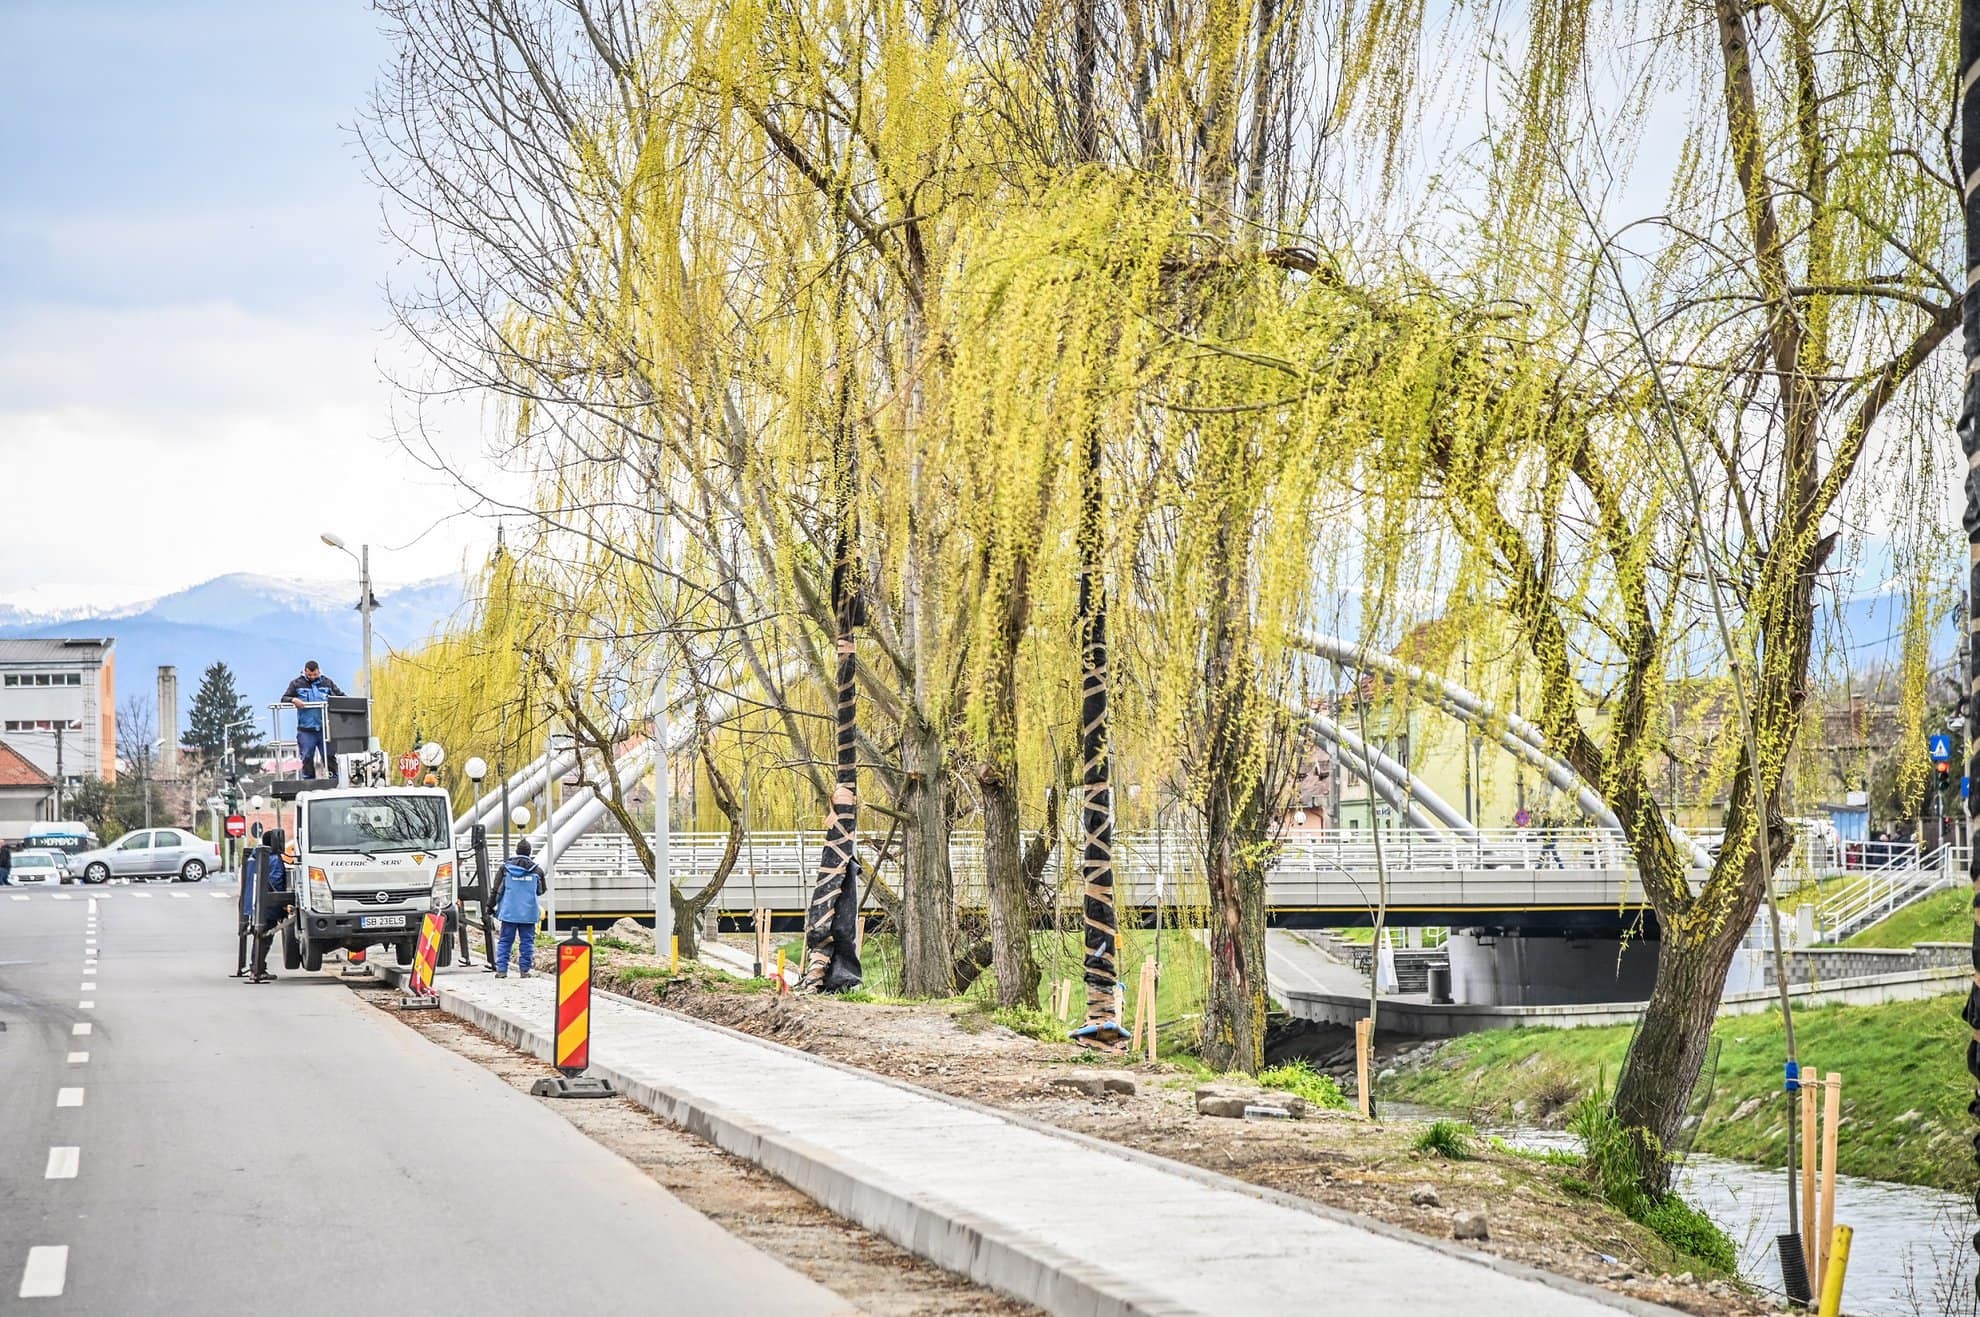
{"x":1905,"y":1085}
{"x":1538,"y":1210}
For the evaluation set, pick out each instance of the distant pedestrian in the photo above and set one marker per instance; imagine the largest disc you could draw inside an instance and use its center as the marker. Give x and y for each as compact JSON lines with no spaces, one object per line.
{"x":6,"y":864}
{"x":309,"y":693}
{"x":517,"y":888}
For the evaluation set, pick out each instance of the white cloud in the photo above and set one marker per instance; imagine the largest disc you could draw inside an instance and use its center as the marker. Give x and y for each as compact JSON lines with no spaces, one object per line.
{"x":157,"y":446}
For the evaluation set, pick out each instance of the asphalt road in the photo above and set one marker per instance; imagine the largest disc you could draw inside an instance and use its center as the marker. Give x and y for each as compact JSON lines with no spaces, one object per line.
{"x":173,"y":1140}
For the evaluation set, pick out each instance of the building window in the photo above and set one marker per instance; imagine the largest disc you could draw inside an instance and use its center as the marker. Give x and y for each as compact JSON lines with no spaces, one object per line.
{"x":41,"y":725}
{"x":19,"y":679}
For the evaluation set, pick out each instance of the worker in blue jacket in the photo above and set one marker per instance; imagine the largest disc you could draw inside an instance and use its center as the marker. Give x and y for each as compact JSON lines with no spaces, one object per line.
{"x":517,"y":887}
{"x":309,"y":693}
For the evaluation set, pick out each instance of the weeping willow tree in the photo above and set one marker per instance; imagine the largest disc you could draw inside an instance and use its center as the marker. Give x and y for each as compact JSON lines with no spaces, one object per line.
{"x":1748,"y":377}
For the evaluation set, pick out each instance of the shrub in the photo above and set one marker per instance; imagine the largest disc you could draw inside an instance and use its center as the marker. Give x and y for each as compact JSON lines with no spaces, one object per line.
{"x":1449,"y":1139}
{"x":1031,"y":1022}
{"x":1303,"y":1081}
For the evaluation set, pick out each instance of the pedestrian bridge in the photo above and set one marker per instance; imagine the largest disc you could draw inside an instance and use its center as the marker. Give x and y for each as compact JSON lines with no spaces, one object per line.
{"x":1569,"y":878}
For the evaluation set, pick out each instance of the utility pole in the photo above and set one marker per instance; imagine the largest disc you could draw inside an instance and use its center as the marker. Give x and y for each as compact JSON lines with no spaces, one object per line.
{"x":61,"y":786}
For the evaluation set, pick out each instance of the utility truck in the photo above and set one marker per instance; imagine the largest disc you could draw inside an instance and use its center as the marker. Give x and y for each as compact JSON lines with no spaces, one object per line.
{"x":367,"y":861}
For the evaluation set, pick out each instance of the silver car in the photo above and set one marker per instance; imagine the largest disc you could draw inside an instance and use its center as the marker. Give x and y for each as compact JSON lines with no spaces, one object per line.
{"x":149,"y":853}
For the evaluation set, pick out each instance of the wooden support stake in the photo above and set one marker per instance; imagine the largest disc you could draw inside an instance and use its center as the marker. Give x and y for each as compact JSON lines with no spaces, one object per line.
{"x":780,"y":969}
{"x":1811,"y":1242}
{"x":1148,"y":972}
{"x":1831,"y":1119}
{"x":1364,"y":1033}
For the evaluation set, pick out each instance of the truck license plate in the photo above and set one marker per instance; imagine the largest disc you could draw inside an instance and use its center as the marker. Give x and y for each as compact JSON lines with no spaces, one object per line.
{"x":382,"y":921}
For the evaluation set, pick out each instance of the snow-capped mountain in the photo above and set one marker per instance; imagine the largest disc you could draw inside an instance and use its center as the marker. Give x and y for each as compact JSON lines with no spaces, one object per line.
{"x":260,"y":626}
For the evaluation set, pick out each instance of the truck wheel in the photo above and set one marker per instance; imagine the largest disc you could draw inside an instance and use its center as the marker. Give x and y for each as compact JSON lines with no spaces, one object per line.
{"x":312,"y":957}
{"x":446,"y":950}
{"x":292,"y":956}
{"x":403,"y":951}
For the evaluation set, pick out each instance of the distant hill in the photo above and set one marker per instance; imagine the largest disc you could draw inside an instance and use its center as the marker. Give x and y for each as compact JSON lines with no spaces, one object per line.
{"x":261,"y":627}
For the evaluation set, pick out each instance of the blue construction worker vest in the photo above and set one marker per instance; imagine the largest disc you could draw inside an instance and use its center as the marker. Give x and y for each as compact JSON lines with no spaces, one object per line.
{"x":311,"y":720}
{"x":519,"y":904}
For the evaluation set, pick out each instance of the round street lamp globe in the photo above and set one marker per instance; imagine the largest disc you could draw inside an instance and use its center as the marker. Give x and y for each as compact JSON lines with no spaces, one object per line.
{"x":477,"y":768}
{"x":520,"y":816}
{"x":254,"y":803}
{"x":432,"y":755}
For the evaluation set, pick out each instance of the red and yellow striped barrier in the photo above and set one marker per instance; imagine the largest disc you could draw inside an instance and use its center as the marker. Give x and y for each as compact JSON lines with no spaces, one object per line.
{"x":573,"y":1005}
{"x":426,"y":955}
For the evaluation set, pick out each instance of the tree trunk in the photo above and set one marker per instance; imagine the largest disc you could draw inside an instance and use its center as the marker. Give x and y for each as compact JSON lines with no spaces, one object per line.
{"x":1009,"y":890}
{"x":1102,"y":1029}
{"x":1665,"y":1058}
{"x":928,"y":900}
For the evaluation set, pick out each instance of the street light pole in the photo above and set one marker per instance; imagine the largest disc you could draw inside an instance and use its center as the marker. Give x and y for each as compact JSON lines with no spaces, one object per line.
{"x":663,"y":822}
{"x":366,"y":605}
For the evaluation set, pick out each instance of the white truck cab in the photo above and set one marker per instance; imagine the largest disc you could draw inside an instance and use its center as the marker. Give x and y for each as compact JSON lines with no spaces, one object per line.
{"x":370,"y":862}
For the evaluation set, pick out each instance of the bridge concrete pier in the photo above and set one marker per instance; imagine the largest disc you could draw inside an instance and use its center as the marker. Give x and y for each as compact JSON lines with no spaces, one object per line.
{"x":1493,"y":967}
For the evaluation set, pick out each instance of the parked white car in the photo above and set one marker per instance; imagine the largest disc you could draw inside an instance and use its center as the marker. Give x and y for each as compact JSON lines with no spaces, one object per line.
{"x":38,"y":867}
{"x":149,"y":853}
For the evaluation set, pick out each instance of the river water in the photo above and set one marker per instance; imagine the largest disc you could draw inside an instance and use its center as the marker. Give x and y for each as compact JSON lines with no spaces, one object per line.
{"x":1911,"y":1255}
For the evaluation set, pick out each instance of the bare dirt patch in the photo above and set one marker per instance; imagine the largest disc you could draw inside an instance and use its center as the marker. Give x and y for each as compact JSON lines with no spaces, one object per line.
{"x":1537,"y":1213}
{"x":853,"y":1262}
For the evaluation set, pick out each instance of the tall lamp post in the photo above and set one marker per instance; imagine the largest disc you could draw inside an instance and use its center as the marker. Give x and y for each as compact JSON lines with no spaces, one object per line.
{"x":366,"y":604}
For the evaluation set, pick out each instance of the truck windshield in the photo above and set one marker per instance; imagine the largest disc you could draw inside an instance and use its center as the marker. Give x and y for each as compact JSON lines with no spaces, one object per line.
{"x":371,"y":825}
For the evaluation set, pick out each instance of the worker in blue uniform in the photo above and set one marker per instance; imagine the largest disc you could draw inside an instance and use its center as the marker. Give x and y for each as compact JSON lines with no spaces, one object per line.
{"x":309,"y":693}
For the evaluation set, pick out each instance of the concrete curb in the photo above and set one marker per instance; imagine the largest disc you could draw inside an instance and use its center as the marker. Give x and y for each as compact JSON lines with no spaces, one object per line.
{"x":947,"y":1234}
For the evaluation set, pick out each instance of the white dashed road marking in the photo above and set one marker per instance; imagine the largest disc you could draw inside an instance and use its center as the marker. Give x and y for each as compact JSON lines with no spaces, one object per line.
{"x":182,"y":896}
{"x":92,"y":905}
{"x":63,"y":896}
{"x":63,"y":1163}
{"x":144,"y":896}
{"x":85,"y":1005}
{"x":89,"y":985}
{"x":68,"y":1097}
{"x":47,"y":1271}
{"x":79,"y":1058}
{"x":19,"y":897}
{"x":81,"y":1030}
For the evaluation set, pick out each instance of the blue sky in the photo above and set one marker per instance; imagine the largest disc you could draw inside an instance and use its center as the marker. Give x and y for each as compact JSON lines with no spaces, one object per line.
{"x":191,"y":304}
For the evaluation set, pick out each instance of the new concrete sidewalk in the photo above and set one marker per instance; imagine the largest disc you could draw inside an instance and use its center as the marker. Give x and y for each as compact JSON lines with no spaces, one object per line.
{"x":1057,"y":1219}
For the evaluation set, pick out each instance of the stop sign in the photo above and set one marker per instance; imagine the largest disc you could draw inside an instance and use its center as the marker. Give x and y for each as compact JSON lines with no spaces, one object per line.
{"x":236,"y":826}
{"x":409,"y":766}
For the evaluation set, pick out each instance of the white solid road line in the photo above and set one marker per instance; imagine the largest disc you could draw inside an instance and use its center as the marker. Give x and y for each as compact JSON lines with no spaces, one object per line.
{"x":63,"y":1163}
{"x":68,"y":1097}
{"x":47,"y":1271}
{"x":79,"y":1058}
{"x":81,"y":1030}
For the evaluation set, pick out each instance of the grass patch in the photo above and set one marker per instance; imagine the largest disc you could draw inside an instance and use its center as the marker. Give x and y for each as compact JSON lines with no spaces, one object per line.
{"x":1303,"y":1081}
{"x":1545,"y":1156}
{"x":1904,"y":1091}
{"x":642,"y":973}
{"x":1179,"y":992}
{"x":1611,"y":1157}
{"x":1449,"y":1139}
{"x":1941,"y":917}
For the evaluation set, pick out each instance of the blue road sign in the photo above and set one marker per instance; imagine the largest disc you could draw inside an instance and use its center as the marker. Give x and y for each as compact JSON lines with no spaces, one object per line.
{"x":1941,"y":748}
{"x":1965,"y":787}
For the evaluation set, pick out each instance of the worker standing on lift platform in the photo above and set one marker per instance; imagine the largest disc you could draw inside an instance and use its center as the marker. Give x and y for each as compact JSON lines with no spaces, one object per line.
{"x":310,"y":694}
